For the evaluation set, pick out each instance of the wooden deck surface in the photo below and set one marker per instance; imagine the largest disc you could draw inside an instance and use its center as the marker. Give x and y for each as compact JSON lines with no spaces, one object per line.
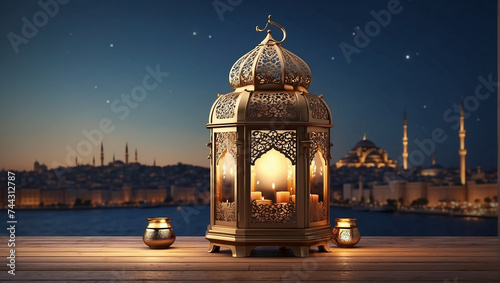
{"x":375,"y":259}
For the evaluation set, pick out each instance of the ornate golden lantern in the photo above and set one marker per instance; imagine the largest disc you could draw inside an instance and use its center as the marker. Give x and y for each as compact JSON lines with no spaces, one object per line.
{"x":270,"y":154}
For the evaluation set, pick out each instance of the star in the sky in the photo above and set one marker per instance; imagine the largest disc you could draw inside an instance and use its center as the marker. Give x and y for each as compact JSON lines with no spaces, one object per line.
{"x":95,"y":86}
{"x":209,"y":36}
{"x":333,"y":58}
{"x":407,"y":56}
{"x":111,"y":45}
{"x":425,"y":106}
{"x":107,"y":101}
{"x":194,"y":33}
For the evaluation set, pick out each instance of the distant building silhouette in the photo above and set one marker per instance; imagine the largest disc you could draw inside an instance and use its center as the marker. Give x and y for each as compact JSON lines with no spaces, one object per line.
{"x":126,"y":153}
{"x":102,"y":155}
{"x":405,"y":143}
{"x":462,"y":151}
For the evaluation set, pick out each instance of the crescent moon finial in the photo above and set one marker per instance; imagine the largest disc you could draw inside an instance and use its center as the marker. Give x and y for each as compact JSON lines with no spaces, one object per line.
{"x":269,"y":22}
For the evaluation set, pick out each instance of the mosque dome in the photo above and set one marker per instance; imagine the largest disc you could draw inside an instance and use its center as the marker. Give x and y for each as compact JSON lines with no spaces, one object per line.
{"x":365,"y":144}
{"x":365,"y":153}
{"x":433,"y":170}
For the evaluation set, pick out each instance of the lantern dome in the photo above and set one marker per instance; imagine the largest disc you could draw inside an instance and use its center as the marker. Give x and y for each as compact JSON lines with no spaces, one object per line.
{"x":270,"y":66}
{"x":271,"y":83}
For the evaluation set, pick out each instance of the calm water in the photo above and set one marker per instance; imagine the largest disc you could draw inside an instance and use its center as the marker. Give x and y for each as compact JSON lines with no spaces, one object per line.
{"x":193,"y":221}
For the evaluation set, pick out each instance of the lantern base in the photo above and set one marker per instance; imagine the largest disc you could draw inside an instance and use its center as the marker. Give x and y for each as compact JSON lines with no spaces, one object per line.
{"x":243,"y":241}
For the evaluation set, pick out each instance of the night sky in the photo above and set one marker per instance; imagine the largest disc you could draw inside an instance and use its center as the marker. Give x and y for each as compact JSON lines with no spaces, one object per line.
{"x":66,"y":75}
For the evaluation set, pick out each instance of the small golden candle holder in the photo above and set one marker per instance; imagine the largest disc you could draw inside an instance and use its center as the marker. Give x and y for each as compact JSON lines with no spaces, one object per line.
{"x":345,"y":233}
{"x":159,"y":233}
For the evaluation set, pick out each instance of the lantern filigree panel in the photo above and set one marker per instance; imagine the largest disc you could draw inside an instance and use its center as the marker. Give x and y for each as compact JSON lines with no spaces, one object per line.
{"x":225,"y":211}
{"x":226,"y":106}
{"x":298,"y":65}
{"x":284,"y":142}
{"x":247,"y":76}
{"x":318,"y":108}
{"x":318,"y":172}
{"x":234,"y":74}
{"x":273,"y":212}
{"x":291,"y":75}
{"x":225,"y":142}
{"x":268,"y":69}
{"x":319,"y":141}
{"x":318,"y":211}
{"x":225,"y":176}
{"x":273,"y":105}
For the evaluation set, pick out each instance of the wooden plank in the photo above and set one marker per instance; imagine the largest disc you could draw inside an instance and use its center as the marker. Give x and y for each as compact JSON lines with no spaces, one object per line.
{"x":228,"y":259}
{"x":200,"y":242}
{"x":203,"y":256}
{"x":302,"y":275}
{"x":382,"y":259}
{"x":242,"y":266}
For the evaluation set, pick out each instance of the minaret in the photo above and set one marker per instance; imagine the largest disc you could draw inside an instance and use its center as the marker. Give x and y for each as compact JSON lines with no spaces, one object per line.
{"x":126,"y":153}
{"x":113,"y":157}
{"x":102,"y":155}
{"x":135,"y":159}
{"x":360,"y":190}
{"x":434,"y":159}
{"x":93,"y":161}
{"x":154,"y":161}
{"x":76,"y":161}
{"x":462,"y":151}
{"x":405,"y":143}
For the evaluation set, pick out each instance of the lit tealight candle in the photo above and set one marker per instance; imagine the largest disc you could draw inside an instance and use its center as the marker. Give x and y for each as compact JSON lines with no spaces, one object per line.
{"x":264,"y":201}
{"x":283,"y":196}
{"x":255,"y":195}
{"x":313,"y":198}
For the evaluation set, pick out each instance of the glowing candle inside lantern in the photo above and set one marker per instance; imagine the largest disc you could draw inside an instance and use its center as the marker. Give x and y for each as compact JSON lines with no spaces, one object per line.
{"x":291,"y":176}
{"x":264,"y":201}
{"x":283,"y":196}
{"x":255,"y":195}
{"x":313,"y":198}
{"x":274,"y":186}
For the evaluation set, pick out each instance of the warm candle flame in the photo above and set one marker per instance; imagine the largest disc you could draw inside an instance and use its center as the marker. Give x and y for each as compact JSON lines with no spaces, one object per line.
{"x":273,"y":186}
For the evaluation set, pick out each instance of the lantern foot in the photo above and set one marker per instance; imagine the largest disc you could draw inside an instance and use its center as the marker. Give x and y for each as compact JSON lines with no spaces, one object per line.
{"x":213,"y":248}
{"x":324,"y":248}
{"x":300,"y":251}
{"x":241,"y":251}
